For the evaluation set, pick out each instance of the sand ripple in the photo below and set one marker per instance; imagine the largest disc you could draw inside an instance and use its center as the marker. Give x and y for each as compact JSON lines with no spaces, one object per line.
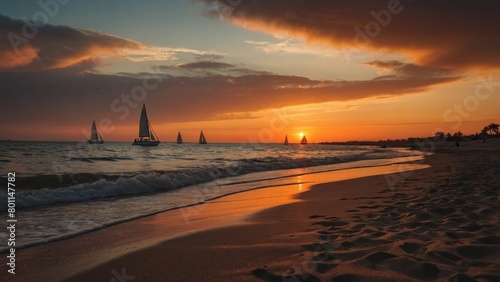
{"x":444,"y":228}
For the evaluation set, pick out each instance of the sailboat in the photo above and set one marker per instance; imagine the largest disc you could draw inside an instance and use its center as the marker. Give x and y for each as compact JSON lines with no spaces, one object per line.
{"x":95,"y":136}
{"x":202,"y":139}
{"x":179,"y":138}
{"x":304,"y":140}
{"x":147,"y":137}
{"x":286,"y":140}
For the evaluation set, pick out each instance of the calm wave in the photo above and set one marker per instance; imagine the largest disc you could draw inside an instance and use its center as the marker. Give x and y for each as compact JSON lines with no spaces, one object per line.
{"x":70,"y":187}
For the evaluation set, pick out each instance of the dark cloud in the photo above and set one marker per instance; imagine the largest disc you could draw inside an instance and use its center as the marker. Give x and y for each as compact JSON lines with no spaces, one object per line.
{"x":46,"y":82}
{"x":201,"y":65}
{"x":209,"y":57}
{"x":446,"y":33}
{"x":25,"y":47}
{"x":402,"y":69}
{"x":210,"y":68}
{"x":86,"y":96}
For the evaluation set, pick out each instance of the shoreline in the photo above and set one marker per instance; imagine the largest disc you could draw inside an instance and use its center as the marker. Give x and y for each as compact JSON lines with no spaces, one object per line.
{"x":100,"y":252}
{"x":305,"y":224}
{"x":269,"y":183}
{"x":32,"y":181}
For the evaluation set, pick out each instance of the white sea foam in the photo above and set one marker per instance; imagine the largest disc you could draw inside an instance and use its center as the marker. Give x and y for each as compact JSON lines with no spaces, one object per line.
{"x":158,"y":181}
{"x":142,"y":181}
{"x":48,"y":223}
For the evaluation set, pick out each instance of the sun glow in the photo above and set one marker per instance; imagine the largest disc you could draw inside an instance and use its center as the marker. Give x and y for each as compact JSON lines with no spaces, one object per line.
{"x":301,"y":134}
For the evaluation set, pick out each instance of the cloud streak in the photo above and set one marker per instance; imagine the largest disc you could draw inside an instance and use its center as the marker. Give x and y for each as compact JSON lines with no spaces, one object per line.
{"x":209,"y":68}
{"x":56,"y":47}
{"x":289,"y":46}
{"x":220,"y":89}
{"x":447,"y":33}
{"x":57,"y":61}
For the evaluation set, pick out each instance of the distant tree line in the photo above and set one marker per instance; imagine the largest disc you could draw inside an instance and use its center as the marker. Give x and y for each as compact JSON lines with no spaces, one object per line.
{"x":489,"y":131}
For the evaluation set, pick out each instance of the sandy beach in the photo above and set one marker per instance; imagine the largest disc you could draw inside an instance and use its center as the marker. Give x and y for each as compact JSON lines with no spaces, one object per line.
{"x":420,"y":223}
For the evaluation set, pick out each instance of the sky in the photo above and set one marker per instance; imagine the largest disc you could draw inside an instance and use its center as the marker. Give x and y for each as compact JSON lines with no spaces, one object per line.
{"x":248,"y":71}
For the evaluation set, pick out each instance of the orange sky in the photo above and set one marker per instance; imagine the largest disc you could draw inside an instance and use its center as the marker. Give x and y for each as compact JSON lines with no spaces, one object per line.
{"x":253,"y":71}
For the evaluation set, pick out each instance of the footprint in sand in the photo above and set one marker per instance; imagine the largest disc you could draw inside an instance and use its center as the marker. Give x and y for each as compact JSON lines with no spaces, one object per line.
{"x":270,"y":277}
{"x":463,"y":278}
{"x":413,"y":268}
{"x":490,"y":240}
{"x":411,"y":248}
{"x":325,"y":267}
{"x":379,"y":257}
{"x":445,"y":257}
{"x":331,"y":223}
{"x":316,"y":216}
{"x":487,"y":277}
{"x":472,"y":227}
{"x":475,"y":252}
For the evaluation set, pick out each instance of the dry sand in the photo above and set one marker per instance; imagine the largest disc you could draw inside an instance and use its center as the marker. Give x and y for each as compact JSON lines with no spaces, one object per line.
{"x":435,"y":224}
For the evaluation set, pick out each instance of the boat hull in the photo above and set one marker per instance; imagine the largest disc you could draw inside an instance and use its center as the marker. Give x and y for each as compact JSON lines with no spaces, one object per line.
{"x":95,"y":141}
{"x":146,"y":143}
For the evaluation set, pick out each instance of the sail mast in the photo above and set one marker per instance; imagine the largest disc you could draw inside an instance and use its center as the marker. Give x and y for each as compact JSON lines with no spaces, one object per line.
{"x":147,"y":136}
{"x":93,"y":131}
{"x":152,"y":135}
{"x":144,"y":123}
{"x":304,"y":140}
{"x":95,"y":136}
{"x":202,"y":138}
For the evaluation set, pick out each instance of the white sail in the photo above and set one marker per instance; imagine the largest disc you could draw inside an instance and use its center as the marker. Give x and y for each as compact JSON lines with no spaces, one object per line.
{"x":95,"y":136}
{"x":144,"y":123}
{"x":202,"y":139}
{"x":179,"y":138}
{"x":304,"y":140}
{"x":93,"y":132}
{"x":147,"y":136}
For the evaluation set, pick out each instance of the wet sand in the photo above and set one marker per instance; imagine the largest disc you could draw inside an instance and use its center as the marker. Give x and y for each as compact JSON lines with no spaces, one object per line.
{"x":431,"y":224}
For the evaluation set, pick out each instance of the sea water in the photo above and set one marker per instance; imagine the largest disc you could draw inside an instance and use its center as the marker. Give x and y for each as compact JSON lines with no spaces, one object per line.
{"x":67,"y":188}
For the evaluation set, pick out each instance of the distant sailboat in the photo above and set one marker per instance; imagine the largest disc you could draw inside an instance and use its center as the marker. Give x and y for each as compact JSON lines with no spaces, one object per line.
{"x":304,"y":140}
{"x":202,"y":139}
{"x":147,"y":137}
{"x":286,"y":140}
{"x":95,"y":136}
{"x":179,"y":138}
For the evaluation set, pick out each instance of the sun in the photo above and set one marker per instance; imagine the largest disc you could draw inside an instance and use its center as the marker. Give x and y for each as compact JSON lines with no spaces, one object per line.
{"x":301,"y":134}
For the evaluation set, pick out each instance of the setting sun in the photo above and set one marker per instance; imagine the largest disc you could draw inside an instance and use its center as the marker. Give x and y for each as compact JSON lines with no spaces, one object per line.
{"x":242,"y":80}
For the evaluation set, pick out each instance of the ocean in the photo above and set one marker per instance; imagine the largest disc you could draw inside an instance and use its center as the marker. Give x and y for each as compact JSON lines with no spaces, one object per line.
{"x":68,"y":188}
